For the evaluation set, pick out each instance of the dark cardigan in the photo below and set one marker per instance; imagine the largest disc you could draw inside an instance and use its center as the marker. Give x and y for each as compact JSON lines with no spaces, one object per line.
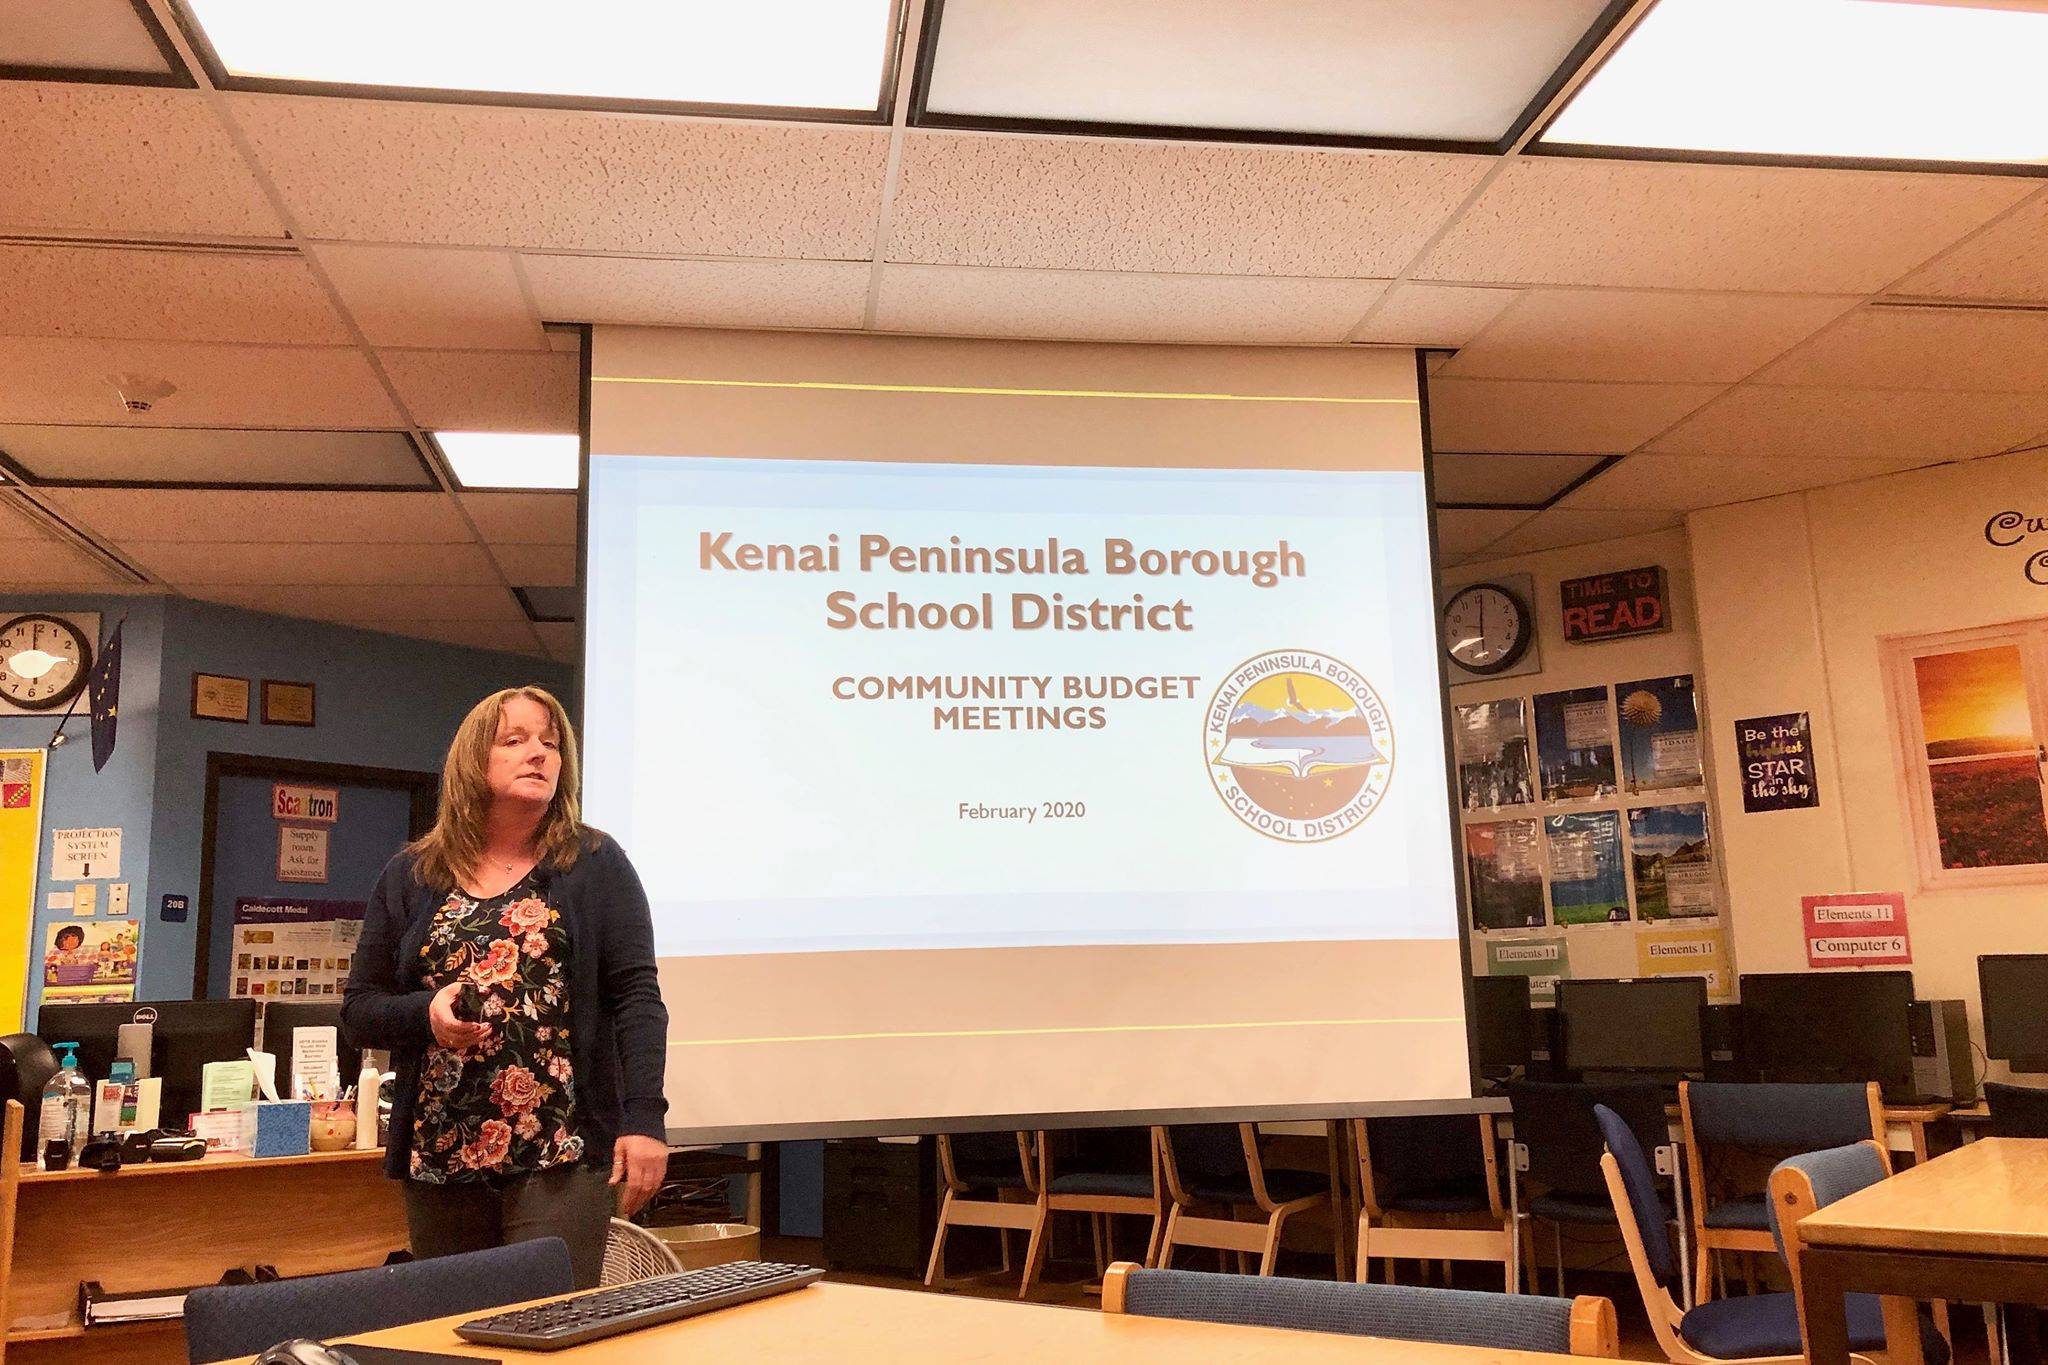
{"x":620,"y":1025}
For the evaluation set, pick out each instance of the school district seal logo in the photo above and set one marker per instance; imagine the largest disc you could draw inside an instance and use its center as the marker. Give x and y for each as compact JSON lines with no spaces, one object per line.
{"x":1299,"y":746}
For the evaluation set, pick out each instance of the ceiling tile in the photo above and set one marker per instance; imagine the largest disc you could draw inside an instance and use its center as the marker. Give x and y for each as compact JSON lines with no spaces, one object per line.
{"x":96,"y":454}
{"x":1680,"y":483}
{"x":1077,"y":204}
{"x":505,"y":637}
{"x":523,"y":518}
{"x":568,"y":180}
{"x":122,"y":515}
{"x":1561,"y":220}
{"x":1923,"y":426}
{"x":355,"y":602}
{"x":1461,"y":534}
{"x":485,"y":390}
{"x":1924,"y":348}
{"x":79,"y":35}
{"x":624,"y":289}
{"x":1504,"y":478}
{"x":123,"y":160}
{"x":538,"y":566}
{"x":48,"y":563}
{"x":65,"y":379}
{"x":1433,"y":314}
{"x":1646,"y":337}
{"x":1087,"y":305}
{"x":563,"y":642}
{"x":163,"y":295}
{"x":1593,"y":419}
{"x":1559,"y":527}
{"x":2005,"y":261}
{"x":424,"y":296}
{"x":217,"y":564}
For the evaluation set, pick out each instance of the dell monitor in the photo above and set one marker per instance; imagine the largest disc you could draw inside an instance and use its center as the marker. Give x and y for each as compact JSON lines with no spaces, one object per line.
{"x":1501,"y":1024}
{"x":2013,"y":988}
{"x":185,"y":1035}
{"x":281,"y":1017}
{"x":1836,"y":1026}
{"x":1648,"y":1026}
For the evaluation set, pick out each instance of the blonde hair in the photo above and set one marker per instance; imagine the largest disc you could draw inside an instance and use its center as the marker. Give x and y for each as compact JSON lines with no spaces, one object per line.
{"x":447,"y":854}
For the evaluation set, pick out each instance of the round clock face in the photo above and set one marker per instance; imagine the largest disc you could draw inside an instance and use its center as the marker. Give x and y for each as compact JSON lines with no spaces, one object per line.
{"x":43,"y":662}
{"x":1487,"y":629}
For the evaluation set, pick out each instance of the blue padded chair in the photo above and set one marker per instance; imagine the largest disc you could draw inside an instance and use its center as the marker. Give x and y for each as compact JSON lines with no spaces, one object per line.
{"x":1429,"y":1187}
{"x":1722,"y":1119}
{"x":2017,"y":1111}
{"x":1107,"y":1172}
{"x":991,"y":1182}
{"x":223,"y":1322}
{"x":1559,"y":1145}
{"x":1208,"y":1165}
{"x":1459,"y":1317}
{"x":1753,"y":1328}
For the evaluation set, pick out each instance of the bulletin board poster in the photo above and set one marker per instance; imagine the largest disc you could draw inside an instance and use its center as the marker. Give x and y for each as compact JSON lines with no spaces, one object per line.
{"x":1575,"y":744}
{"x":294,"y":949}
{"x":1505,"y":868}
{"x":21,"y":842}
{"x":1672,"y":860}
{"x":1660,"y":734}
{"x":1493,"y":755}
{"x":1686,"y":952}
{"x":1542,"y":960}
{"x":90,"y":961}
{"x":1587,"y":884}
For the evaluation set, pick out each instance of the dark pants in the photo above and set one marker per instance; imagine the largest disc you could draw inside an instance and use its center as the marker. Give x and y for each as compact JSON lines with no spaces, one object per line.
{"x":572,"y":1202}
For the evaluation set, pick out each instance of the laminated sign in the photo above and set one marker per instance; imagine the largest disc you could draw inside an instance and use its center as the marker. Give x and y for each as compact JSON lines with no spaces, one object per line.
{"x":1856,"y":929}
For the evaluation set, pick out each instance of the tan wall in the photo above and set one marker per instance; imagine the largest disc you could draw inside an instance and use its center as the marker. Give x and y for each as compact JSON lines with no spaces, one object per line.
{"x":1795,"y":594}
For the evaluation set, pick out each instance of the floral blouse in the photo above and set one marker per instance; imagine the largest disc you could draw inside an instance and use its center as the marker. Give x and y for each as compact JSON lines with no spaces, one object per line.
{"x":506,"y":1106}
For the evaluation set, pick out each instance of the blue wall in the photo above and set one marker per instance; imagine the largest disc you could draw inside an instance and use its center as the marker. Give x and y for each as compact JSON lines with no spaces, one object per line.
{"x":382,"y":701}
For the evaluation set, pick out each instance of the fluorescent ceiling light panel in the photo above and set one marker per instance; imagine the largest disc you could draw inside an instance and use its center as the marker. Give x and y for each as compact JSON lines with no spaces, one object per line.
{"x":803,"y":54}
{"x":1370,"y":69}
{"x":502,"y":459}
{"x":1901,"y":80}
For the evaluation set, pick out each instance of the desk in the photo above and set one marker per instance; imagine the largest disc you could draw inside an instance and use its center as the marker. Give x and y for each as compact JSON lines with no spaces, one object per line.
{"x":176,"y":1224}
{"x":1969,"y":1225}
{"x":851,"y":1323}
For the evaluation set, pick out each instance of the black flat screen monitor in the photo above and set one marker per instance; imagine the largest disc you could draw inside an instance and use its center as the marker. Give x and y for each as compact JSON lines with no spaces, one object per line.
{"x":1831,"y":1026}
{"x":1500,"y":1024}
{"x":1649,"y":1025}
{"x":281,"y":1018}
{"x":2013,"y":988}
{"x":185,"y":1035}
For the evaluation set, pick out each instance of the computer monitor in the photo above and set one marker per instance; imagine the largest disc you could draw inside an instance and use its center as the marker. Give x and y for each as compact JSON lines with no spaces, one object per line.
{"x":281,"y":1017}
{"x":1501,"y":1024}
{"x":1842,"y":1025}
{"x":2012,"y":988}
{"x":1648,"y":1025}
{"x":185,"y":1035}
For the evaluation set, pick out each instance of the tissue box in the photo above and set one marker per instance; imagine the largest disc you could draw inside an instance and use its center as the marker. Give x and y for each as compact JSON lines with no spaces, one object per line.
{"x":278,"y":1128}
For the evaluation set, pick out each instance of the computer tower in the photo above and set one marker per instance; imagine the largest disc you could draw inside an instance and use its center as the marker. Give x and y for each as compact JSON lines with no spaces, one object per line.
{"x":1942,"y":1064}
{"x":1546,"y":1045}
{"x":1727,"y":1059}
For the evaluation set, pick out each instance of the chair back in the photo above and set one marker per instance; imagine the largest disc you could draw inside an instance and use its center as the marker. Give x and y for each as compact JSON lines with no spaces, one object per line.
{"x":1207,"y":1154}
{"x":1814,"y":1180}
{"x":632,"y":1254}
{"x":1458,"y":1317}
{"x":1414,"y":1153}
{"x":2019,"y":1111}
{"x":1782,"y":1117}
{"x":223,"y":1322}
{"x":1554,"y":1122}
{"x":1632,"y":1186}
{"x":965,"y":1156}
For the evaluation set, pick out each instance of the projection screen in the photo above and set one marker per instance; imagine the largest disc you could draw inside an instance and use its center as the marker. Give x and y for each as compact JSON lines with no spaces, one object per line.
{"x":1009,"y":729}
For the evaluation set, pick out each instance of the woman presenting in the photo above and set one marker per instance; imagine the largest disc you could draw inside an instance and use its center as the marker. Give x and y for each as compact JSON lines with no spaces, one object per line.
{"x":507,"y":962}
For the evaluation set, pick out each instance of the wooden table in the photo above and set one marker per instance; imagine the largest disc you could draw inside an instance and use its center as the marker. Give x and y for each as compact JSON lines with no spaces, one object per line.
{"x":167,"y":1225}
{"x":1969,"y":1225}
{"x":851,"y":1323}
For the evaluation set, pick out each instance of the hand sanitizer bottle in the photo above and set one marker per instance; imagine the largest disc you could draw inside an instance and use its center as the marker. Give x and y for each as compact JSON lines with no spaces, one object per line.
{"x":67,"y":1104}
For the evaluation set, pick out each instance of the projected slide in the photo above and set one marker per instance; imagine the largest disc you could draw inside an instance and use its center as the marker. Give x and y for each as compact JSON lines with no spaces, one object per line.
{"x":872,"y":705}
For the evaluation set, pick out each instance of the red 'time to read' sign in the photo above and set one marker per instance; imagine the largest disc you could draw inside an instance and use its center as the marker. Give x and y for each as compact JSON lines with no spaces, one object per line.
{"x":1613,"y":606}
{"x":1856,"y":929}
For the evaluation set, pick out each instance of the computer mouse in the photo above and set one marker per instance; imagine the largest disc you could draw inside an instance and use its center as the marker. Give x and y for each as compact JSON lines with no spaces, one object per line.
{"x":304,"y":1351}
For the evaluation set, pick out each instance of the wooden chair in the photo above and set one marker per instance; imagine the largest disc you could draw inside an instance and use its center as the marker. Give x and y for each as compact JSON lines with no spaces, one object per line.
{"x":1102,"y":1188}
{"x":1584,"y":1326}
{"x":10,"y":1192}
{"x":1804,"y":1184}
{"x":1429,"y":1191}
{"x":1217,"y":1166}
{"x":991,"y":1182}
{"x":1723,"y":1123}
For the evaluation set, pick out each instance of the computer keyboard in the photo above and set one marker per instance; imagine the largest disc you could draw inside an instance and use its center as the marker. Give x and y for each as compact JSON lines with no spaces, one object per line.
{"x":629,"y":1307}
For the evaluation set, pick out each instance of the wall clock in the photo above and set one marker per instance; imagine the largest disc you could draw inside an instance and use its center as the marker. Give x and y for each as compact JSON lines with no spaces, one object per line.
{"x":1487,"y":628}
{"x":44,"y":661}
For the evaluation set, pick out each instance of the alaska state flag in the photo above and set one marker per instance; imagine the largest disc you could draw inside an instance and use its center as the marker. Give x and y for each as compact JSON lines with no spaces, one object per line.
{"x":103,"y":697}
